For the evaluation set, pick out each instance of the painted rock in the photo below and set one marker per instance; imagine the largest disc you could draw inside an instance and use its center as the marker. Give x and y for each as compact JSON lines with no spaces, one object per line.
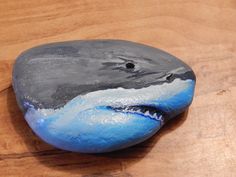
{"x":100,"y":95}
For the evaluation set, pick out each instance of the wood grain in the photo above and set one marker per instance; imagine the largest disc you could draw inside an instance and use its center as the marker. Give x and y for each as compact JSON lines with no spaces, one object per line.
{"x":199,"y":143}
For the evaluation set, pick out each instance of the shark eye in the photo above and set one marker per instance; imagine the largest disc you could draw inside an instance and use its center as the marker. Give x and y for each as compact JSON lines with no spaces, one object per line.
{"x":129,"y":65}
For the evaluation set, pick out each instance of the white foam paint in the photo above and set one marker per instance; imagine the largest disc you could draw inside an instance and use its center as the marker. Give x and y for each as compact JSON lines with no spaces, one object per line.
{"x":114,"y":97}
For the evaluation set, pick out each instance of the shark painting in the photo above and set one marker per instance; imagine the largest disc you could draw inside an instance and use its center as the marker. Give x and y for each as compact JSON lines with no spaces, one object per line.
{"x":97,"y":96}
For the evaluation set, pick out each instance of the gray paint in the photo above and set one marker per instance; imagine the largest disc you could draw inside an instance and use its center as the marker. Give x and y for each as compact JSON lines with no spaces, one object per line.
{"x":50,"y":75}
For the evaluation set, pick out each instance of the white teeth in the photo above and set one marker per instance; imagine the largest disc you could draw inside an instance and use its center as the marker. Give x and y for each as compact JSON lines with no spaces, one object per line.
{"x":147,"y":113}
{"x":140,"y":112}
{"x":161,"y":118}
{"x":152,"y":115}
{"x":126,"y":109}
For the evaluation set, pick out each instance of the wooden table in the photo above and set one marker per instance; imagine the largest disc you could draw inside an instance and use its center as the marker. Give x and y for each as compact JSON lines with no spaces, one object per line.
{"x":200,"y":143}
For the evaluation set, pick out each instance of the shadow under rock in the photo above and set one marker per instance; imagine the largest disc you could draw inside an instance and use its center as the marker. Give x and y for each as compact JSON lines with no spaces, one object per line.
{"x":105,"y":164}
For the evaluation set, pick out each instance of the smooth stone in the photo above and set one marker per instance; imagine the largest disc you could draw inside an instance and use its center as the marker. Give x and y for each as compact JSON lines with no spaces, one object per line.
{"x":96,"y":96}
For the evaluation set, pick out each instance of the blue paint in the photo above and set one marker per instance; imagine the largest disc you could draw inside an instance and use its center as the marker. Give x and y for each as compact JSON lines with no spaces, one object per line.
{"x":177,"y":103}
{"x":84,"y":136}
{"x":96,"y":130}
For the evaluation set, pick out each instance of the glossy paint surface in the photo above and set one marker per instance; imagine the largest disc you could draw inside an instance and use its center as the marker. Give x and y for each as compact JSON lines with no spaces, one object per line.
{"x":81,"y":96}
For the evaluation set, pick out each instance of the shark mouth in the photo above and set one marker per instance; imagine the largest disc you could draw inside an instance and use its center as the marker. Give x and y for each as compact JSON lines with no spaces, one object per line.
{"x":144,"y":110}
